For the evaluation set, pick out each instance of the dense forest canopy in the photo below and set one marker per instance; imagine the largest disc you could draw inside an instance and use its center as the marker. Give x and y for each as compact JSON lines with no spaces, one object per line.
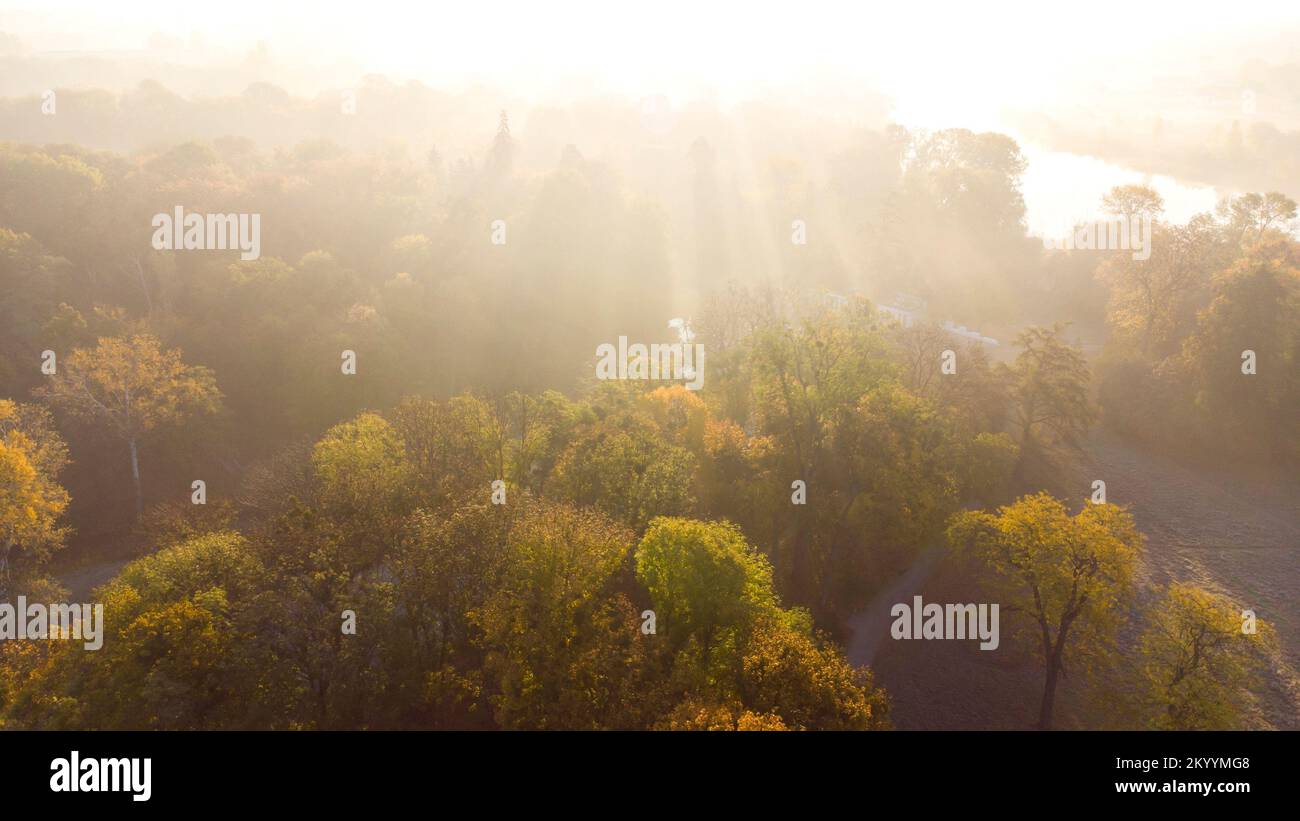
{"x":371,"y":474}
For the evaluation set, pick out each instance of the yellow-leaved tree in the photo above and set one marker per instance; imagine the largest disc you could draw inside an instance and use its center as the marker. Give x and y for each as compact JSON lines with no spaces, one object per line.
{"x":1199,"y":657}
{"x":31,"y":500}
{"x":131,"y":386}
{"x":1067,"y":573}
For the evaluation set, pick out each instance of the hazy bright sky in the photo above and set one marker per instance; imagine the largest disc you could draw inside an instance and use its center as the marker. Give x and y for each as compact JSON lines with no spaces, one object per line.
{"x":944,"y":63}
{"x":960,"y":60}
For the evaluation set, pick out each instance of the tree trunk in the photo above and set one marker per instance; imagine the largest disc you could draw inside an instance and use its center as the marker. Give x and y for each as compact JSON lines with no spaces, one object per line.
{"x":1028,"y":452}
{"x":1049,"y":698}
{"x":135,"y":474}
{"x":4,"y":565}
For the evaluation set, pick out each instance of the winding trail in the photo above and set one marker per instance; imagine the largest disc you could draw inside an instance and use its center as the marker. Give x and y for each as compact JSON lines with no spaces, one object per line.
{"x":82,"y":580}
{"x":869,"y":627}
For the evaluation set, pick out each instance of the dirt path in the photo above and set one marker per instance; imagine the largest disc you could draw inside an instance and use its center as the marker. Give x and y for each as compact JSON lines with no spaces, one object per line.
{"x":869,"y":627}
{"x":82,"y":580}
